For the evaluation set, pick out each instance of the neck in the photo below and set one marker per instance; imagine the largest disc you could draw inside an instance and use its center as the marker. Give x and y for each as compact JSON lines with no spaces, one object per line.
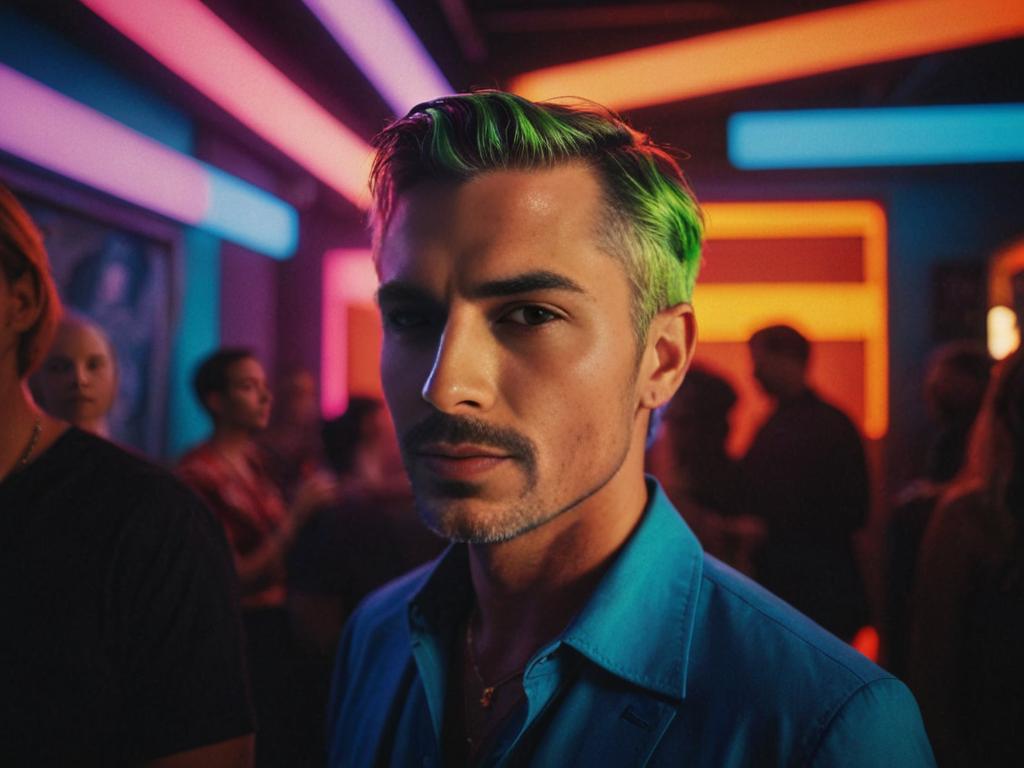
{"x":529,"y":588}
{"x":97,"y":427}
{"x":791,"y":392}
{"x":19,"y":415}
{"x":231,"y":440}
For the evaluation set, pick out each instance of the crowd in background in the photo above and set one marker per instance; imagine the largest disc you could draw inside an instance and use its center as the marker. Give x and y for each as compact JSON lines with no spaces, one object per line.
{"x":318,"y":514}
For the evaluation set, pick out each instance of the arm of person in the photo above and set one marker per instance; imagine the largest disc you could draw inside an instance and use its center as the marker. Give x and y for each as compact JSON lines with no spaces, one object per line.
{"x":879,"y":725}
{"x":179,"y":635}
{"x":259,"y":567}
{"x":940,"y":594}
{"x":233,"y":753}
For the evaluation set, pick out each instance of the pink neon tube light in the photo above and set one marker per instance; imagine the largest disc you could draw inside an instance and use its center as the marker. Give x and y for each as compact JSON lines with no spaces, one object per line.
{"x":194,"y":43}
{"x":379,"y":40}
{"x":47,"y":128}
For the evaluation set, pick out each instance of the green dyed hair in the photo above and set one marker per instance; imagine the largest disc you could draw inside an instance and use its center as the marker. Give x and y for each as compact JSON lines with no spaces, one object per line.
{"x":654,"y":224}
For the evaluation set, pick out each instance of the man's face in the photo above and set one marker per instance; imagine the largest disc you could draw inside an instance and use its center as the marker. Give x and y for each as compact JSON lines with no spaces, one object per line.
{"x":509,"y":362}
{"x":245,"y":403}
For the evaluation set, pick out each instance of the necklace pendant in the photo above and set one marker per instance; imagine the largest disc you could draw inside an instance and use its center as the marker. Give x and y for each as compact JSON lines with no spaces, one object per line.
{"x":486,"y":697}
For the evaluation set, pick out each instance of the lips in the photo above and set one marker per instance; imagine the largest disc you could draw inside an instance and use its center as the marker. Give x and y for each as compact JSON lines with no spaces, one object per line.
{"x":462,"y":461}
{"x":79,"y":399}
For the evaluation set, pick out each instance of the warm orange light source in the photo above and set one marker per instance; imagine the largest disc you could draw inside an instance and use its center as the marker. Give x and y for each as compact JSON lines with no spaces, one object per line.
{"x":798,"y":46}
{"x":1003,"y":327}
{"x":825,"y":311}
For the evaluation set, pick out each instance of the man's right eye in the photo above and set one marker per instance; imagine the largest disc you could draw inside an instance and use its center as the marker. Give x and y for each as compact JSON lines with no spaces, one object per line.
{"x":405,"y":319}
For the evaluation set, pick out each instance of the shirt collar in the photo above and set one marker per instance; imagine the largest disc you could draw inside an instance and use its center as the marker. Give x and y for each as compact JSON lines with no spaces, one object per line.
{"x":639,"y":621}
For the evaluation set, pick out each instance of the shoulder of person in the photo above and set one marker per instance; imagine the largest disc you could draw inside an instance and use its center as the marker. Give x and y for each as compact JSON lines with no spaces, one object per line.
{"x":750,"y":640}
{"x":132,"y":492}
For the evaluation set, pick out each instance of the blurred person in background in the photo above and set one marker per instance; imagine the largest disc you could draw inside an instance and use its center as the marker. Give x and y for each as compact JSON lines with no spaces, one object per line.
{"x":958,"y":375}
{"x":77,"y":381}
{"x":966,"y":659}
{"x":291,"y":444}
{"x":807,"y":479}
{"x":121,"y":643}
{"x":704,"y":482}
{"x":369,"y":537}
{"x":228,"y":472}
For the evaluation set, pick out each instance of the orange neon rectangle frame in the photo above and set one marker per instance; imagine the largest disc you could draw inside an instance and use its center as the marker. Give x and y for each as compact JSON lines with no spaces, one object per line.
{"x":824,"y":311}
{"x":784,"y":49}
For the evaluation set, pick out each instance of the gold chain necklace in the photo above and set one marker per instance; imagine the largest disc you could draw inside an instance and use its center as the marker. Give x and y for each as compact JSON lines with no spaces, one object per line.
{"x":37,"y":430}
{"x":488,"y":691}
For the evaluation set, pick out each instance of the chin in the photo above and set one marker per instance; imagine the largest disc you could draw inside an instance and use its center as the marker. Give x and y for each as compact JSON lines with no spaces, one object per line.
{"x":474,"y":522}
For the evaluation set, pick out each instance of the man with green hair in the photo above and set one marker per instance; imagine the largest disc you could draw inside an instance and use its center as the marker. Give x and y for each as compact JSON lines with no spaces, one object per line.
{"x":536,"y":264}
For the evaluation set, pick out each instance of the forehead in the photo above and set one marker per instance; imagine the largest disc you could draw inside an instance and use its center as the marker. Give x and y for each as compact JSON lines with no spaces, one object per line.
{"x":246,"y":368}
{"x":78,"y":339}
{"x":497,"y":222}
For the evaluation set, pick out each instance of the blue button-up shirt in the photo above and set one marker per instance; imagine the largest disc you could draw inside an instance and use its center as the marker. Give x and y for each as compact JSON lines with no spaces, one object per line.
{"x":676,"y":659}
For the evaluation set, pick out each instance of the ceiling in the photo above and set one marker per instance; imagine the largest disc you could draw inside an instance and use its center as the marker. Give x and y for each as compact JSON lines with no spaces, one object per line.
{"x":483,"y":43}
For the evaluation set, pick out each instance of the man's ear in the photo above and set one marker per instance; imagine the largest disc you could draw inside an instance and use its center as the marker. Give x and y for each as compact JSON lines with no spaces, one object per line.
{"x":24,"y":307}
{"x":671,"y":340}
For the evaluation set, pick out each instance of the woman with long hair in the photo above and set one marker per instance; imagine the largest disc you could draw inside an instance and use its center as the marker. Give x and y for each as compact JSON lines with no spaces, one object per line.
{"x":967,"y":648}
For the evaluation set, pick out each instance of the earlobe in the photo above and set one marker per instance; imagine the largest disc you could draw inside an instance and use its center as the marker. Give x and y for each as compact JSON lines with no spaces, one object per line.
{"x":24,"y":308}
{"x":671,"y":342}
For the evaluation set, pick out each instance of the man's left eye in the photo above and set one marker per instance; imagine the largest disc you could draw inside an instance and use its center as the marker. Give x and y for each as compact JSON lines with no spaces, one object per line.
{"x":530,"y":315}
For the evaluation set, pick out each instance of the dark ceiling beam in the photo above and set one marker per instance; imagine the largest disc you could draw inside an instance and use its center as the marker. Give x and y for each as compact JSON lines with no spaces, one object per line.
{"x":607,"y":17}
{"x":467,"y":34}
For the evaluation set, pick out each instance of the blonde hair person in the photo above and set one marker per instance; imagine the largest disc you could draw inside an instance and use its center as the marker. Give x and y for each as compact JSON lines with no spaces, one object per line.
{"x":78,"y":379}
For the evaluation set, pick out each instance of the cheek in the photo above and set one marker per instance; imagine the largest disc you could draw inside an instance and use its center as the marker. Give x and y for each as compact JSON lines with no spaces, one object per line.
{"x":404,"y":371}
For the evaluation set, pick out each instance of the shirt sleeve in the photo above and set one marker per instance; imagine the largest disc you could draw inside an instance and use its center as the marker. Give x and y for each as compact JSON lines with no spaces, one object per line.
{"x":179,"y":637}
{"x":879,"y":725}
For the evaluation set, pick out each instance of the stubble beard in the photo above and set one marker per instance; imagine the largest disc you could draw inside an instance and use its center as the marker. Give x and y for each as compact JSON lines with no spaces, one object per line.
{"x":453,"y":510}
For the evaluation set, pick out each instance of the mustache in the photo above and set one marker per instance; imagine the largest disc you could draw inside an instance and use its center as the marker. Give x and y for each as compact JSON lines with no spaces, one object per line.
{"x":445,"y":428}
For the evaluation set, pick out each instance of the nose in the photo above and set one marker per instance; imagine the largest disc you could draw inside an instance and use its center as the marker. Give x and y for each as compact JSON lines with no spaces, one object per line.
{"x":464,"y":370}
{"x":79,"y":375}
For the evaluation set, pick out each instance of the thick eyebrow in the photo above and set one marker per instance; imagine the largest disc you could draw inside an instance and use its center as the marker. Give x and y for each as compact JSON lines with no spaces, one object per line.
{"x":538,"y":280}
{"x":398,"y":290}
{"x":527,"y":282}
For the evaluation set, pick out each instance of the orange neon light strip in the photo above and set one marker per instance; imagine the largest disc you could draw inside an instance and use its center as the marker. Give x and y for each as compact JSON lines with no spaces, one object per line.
{"x":798,"y":46}
{"x":194,"y":43}
{"x":825,"y":311}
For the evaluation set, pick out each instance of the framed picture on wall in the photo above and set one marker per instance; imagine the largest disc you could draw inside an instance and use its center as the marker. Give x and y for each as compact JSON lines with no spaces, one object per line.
{"x":118,"y":267}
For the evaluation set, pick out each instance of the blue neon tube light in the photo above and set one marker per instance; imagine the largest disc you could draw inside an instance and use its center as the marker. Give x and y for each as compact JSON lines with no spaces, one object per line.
{"x":850,"y":138}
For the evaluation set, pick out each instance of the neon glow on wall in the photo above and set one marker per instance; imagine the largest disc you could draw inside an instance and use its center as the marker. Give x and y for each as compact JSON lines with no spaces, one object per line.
{"x":834,"y":138}
{"x":802,"y":45}
{"x":349,"y":277}
{"x":194,"y":43}
{"x":44,"y":127}
{"x":376,"y":36}
{"x":825,"y":311}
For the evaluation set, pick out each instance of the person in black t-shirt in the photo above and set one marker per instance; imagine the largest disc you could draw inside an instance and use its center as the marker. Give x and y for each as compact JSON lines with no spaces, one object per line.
{"x":121,"y":641}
